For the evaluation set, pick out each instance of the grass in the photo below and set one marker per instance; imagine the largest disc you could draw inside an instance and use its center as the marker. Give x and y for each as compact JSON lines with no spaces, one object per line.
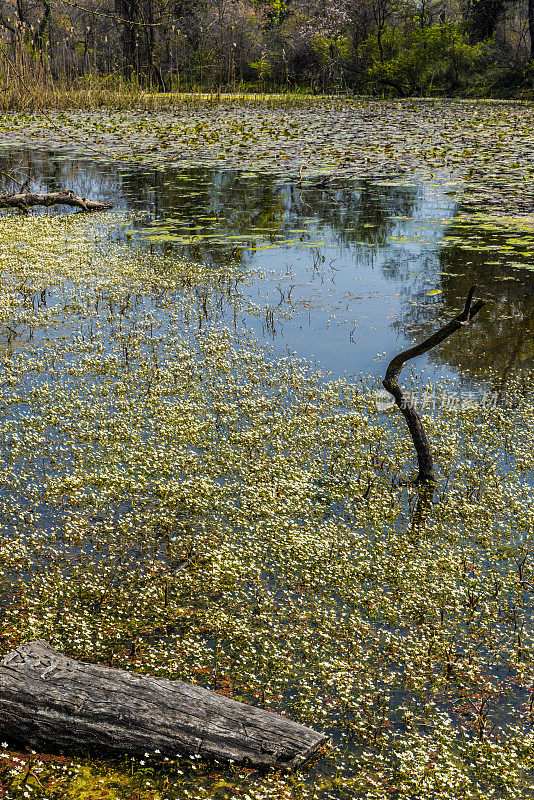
{"x":94,"y":95}
{"x":29,"y":86}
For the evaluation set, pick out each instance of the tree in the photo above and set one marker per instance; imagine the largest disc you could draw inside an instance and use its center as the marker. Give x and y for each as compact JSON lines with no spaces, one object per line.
{"x":482,"y":17}
{"x":531,"y":30}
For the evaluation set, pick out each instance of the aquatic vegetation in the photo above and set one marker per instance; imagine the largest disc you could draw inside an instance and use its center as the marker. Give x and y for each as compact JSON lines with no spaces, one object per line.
{"x":176,"y":500}
{"x":504,"y":240}
{"x":481,"y":148}
{"x":383,"y":214}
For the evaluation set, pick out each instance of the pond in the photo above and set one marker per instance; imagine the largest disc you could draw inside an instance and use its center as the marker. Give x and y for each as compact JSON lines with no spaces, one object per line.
{"x":348,"y":269}
{"x":196,"y":480}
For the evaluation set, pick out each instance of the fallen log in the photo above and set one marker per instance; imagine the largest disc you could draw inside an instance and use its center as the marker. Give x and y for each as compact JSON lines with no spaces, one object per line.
{"x":49,"y":699}
{"x":67,"y":197}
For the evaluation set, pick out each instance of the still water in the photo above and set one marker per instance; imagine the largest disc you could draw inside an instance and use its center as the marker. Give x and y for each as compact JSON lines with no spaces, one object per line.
{"x":345,"y":270}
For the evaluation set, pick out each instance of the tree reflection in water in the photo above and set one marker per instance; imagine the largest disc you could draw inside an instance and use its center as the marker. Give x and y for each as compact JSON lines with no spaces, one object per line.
{"x":223,"y":217}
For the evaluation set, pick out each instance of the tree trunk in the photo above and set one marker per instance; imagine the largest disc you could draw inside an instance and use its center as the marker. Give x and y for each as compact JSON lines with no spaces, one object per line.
{"x":47,"y":699}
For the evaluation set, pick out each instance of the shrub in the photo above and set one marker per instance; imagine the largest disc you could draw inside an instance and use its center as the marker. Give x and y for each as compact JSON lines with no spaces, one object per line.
{"x":436,"y":59}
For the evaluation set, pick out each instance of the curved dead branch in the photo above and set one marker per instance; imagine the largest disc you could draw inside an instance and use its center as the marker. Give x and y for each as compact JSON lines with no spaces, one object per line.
{"x":66,"y":197}
{"x":403,"y":401}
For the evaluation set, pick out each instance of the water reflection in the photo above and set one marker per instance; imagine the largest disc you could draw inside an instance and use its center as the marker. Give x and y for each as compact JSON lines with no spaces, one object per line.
{"x":503,"y":343}
{"x":349,"y":269}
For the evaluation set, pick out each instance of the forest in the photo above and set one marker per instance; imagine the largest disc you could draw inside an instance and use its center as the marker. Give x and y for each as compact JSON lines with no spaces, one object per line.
{"x":378,"y":47}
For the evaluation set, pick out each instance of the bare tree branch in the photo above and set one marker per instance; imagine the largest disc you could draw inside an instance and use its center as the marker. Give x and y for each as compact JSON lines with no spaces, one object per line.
{"x":406,"y":407}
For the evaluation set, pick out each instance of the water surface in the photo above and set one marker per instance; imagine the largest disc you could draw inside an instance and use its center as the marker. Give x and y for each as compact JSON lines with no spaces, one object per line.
{"x":348,"y":269}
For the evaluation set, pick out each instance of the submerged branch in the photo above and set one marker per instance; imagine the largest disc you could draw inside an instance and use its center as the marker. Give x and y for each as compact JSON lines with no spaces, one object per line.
{"x":406,"y":407}
{"x":67,"y":197}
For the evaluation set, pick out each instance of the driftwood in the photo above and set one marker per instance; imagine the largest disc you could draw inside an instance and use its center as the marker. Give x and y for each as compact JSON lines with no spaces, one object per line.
{"x":66,"y":197}
{"x":47,"y":699}
{"x":409,"y":409}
